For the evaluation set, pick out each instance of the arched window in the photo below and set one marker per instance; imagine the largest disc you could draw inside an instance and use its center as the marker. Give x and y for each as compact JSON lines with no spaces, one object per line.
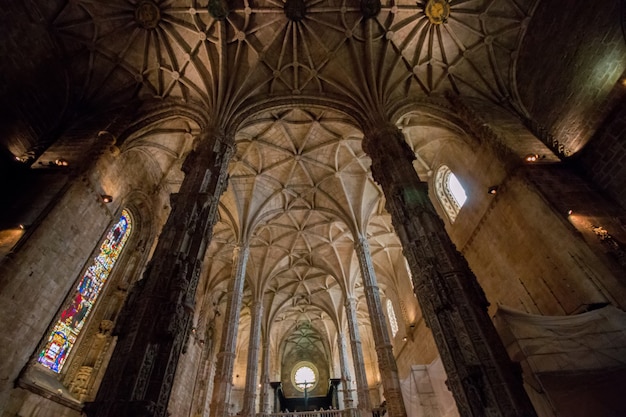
{"x":392,"y":318}
{"x":449,"y":191}
{"x":72,"y":319}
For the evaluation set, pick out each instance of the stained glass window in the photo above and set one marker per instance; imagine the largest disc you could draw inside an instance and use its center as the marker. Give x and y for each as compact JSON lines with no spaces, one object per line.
{"x":392,"y":318}
{"x":72,"y":319}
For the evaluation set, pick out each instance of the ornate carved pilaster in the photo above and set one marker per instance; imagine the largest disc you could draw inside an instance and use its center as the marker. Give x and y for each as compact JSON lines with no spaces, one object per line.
{"x":276,"y":386}
{"x":481,"y":376}
{"x":253,"y":360}
{"x":384,"y":350}
{"x":345,"y":371}
{"x":223,"y":381}
{"x":266,"y":406}
{"x":362,"y":390}
{"x":156,"y":321}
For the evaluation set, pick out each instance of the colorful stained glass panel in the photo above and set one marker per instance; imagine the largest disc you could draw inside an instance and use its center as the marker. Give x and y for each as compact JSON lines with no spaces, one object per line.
{"x":72,"y":319}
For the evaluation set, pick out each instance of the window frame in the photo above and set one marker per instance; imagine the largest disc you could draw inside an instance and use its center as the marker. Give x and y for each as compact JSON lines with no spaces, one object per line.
{"x":446,"y":198}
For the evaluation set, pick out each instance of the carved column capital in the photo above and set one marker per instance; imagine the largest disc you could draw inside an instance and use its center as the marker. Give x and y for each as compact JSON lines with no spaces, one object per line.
{"x":350,"y":302}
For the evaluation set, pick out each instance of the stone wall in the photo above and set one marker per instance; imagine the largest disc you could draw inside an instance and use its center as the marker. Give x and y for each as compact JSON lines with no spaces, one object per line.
{"x":604,"y":159}
{"x":580,"y":55}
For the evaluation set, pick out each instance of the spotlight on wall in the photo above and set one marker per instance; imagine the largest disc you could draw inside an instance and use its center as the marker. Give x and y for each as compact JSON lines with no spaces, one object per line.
{"x":493,"y":190}
{"x":531,"y":157}
{"x":106,"y":198}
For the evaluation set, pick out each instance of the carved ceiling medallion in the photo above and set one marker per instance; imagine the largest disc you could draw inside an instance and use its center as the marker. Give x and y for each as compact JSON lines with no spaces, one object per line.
{"x":295,"y":10}
{"x":437,"y":11}
{"x":147,"y":14}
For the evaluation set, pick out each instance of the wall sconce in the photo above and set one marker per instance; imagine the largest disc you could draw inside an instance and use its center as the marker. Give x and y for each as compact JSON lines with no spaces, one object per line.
{"x":404,"y":339}
{"x":531,"y":157}
{"x":493,"y":190}
{"x":106,"y":198}
{"x":61,"y":162}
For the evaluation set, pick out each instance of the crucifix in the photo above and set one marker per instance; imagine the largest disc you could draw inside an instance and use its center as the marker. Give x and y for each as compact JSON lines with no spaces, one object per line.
{"x":306,"y":385}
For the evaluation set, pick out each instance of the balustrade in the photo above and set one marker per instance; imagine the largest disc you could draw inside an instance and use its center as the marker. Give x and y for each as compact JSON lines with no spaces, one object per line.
{"x":348,"y":412}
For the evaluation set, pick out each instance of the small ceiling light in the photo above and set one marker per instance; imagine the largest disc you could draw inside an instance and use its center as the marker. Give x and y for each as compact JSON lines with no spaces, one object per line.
{"x":532,"y":157}
{"x":493,"y":190}
{"x":106,"y":198}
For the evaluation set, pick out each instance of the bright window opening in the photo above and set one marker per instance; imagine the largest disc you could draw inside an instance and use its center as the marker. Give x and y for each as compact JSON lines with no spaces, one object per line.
{"x":456,"y":189}
{"x":393,"y":322}
{"x":304,"y":376}
{"x":450,"y":192}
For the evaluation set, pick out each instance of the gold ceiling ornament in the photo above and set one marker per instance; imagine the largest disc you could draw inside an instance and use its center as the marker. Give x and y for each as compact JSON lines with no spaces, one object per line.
{"x":147,"y":14}
{"x":437,"y":11}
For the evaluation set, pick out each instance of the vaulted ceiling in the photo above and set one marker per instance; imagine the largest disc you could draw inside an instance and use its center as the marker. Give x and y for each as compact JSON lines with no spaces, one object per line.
{"x":300,"y":189}
{"x":177,"y":49}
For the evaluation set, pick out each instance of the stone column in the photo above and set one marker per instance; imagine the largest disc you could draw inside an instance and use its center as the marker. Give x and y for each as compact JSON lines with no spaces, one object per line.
{"x":345,"y":371}
{"x":384,"y":349}
{"x":265,"y":378}
{"x":253,"y":359}
{"x":155,"y":324}
{"x":364,"y":407}
{"x":334,"y":382}
{"x":481,"y":376}
{"x":223,"y":381}
{"x":276,"y":386}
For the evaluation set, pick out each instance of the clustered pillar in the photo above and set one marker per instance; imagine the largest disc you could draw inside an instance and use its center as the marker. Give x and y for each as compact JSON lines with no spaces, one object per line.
{"x":384,"y":350}
{"x":481,"y":376}
{"x":345,"y":371}
{"x":253,"y":359}
{"x":155,"y":324}
{"x":265,"y":377}
{"x":220,"y":402}
{"x":362,"y":390}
